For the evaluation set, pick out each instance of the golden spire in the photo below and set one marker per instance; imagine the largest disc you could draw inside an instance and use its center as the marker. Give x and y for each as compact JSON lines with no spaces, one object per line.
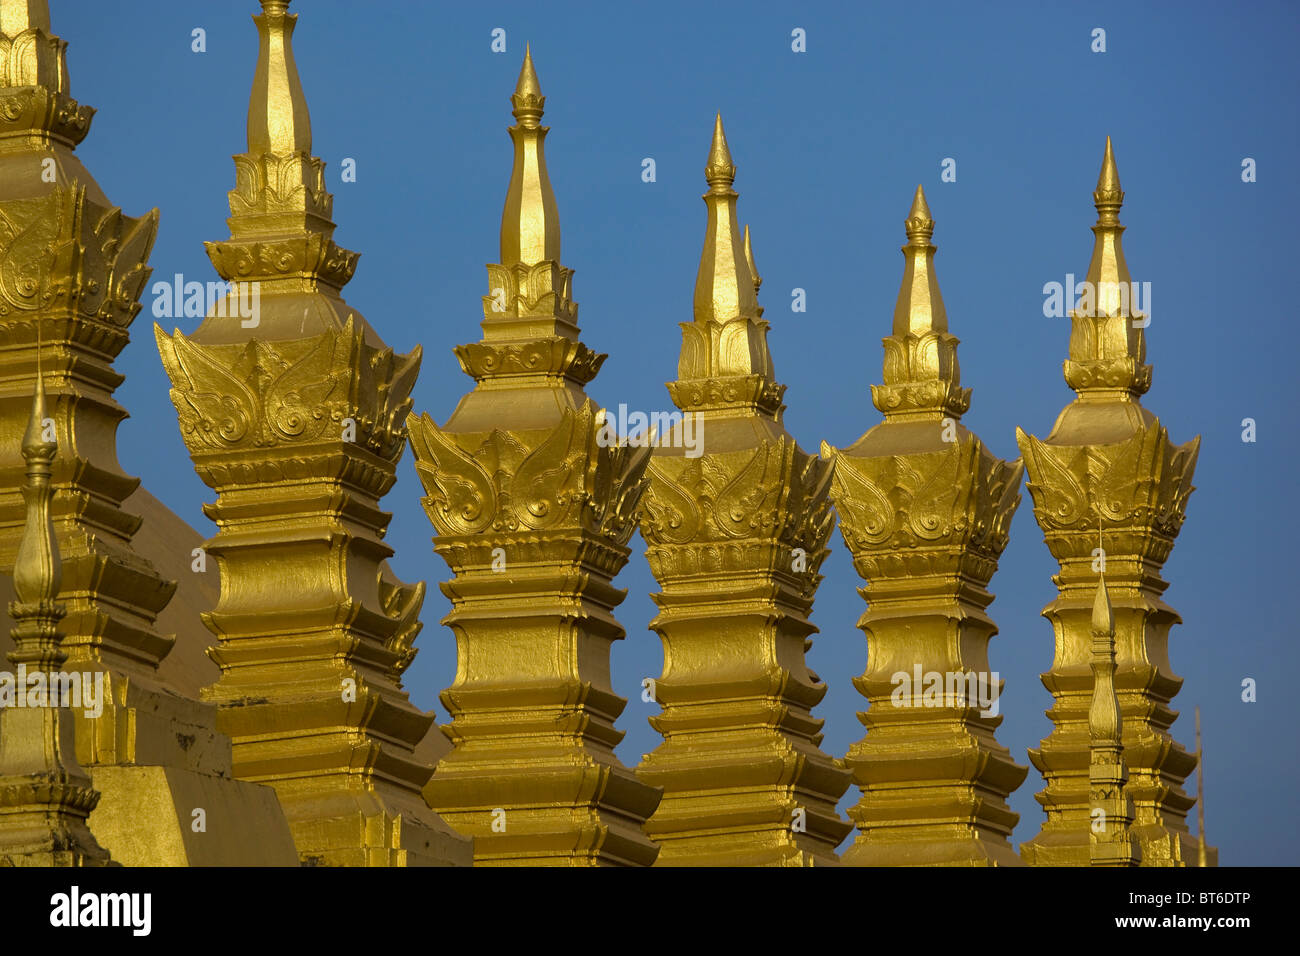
{"x":1106,"y":348}
{"x":724,"y":287}
{"x":1201,"y":855}
{"x":277,"y":108}
{"x":37,"y":570}
{"x":922,"y":379}
{"x":920,"y":304}
{"x":280,"y":191}
{"x":47,"y":795}
{"x":530,"y":222}
{"x":727,"y":341}
{"x":1108,"y":268}
{"x":1111,"y":845}
{"x":1103,"y":715}
{"x":281,"y":232}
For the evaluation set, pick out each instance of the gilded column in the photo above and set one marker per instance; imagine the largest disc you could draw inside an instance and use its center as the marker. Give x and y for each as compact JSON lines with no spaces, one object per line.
{"x":1109,"y":462}
{"x":1110,"y":842}
{"x":294,"y":413}
{"x":72,"y":268}
{"x":925,"y":509}
{"x":45,"y":796}
{"x":533,"y":509}
{"x":736,"y":520}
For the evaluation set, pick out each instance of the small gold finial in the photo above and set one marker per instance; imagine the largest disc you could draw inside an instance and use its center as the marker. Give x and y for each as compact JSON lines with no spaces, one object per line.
{"x":720,"y":171}
{"x":528,"y":84}
{"x":278,"y":121}
{"x":1103,"y":617}
{"x":920,"y":224}
{"x":280,"y":195}
{"x":919,"y":308}
{"x":530,"y":221}
{"x":724,"y":286}
{"x":34,"y":444}
{"x":749,"y":261}
{"x":1108,"y":196}
{"x":527,"y":99}
{"x":1107,"y":344}
{"x":1107,"y":770}
{"x":37,"y":573}
{"x":919,"y":351}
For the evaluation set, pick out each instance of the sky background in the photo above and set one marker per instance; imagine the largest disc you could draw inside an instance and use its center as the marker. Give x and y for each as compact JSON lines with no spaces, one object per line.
{"x":829,"y":144}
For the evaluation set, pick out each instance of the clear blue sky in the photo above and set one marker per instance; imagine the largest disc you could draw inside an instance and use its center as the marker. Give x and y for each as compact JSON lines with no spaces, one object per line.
{"x":830,"y":145}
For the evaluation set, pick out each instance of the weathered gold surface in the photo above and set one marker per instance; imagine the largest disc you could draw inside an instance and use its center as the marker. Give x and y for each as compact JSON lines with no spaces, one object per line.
{"x":1111,"y":842}
{"x":736,"y":530}
{"x":45,"y":796}
{"x":72,"y":268}
{"x":533,"y":513}
{"x":925,"y":509}
{"x":1108,"y":461}
{"x":298,"y":423}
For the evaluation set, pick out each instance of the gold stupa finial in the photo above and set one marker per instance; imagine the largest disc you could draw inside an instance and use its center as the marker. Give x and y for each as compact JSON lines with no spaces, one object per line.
{"x":530,"y":223}
{"x":724,"y":287}
{"x":1107,"y":344}
{"x":1108,"y":268}
{"x":280,"y":226}
{"x":528,"y":88}
{"x":720,"y":171}
{"x":726,"y":343}
{"x":1103,"y":714}
{"x":920,"y":224}
{"x":278,"y":122}
{"x":1112,"y":843}
{"x":920,"y":304}
{"x":1103,"y":616}
{"x":922,"y":379}
{"x":37,"y":571}
{"x":1108,"y":196}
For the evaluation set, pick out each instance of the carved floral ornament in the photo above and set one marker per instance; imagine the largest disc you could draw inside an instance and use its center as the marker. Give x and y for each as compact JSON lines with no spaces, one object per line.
{"x":959,"y":494}
{"x":1145,"y":480}
{"x":773,"y":492}
{"x":259,"y":394}
{"x":528,"y":481}
{"x":61,"y":248}
{"x":552,"y":355}
{"x":271,"y":183}
{"x":543,"y":288}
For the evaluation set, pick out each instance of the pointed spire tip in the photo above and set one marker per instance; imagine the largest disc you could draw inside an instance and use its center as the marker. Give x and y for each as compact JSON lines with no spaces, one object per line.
{"x":528,"y":84}
{"x":32,"y":437}
{"x":720,"y":172}
{"x":920,"y":208}
{"x":1108,"y":180}
{"x":1103,"y":617}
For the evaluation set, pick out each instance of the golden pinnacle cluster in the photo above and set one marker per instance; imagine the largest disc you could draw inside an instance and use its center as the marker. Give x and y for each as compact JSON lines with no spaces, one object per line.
{"x":263,"y":721}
